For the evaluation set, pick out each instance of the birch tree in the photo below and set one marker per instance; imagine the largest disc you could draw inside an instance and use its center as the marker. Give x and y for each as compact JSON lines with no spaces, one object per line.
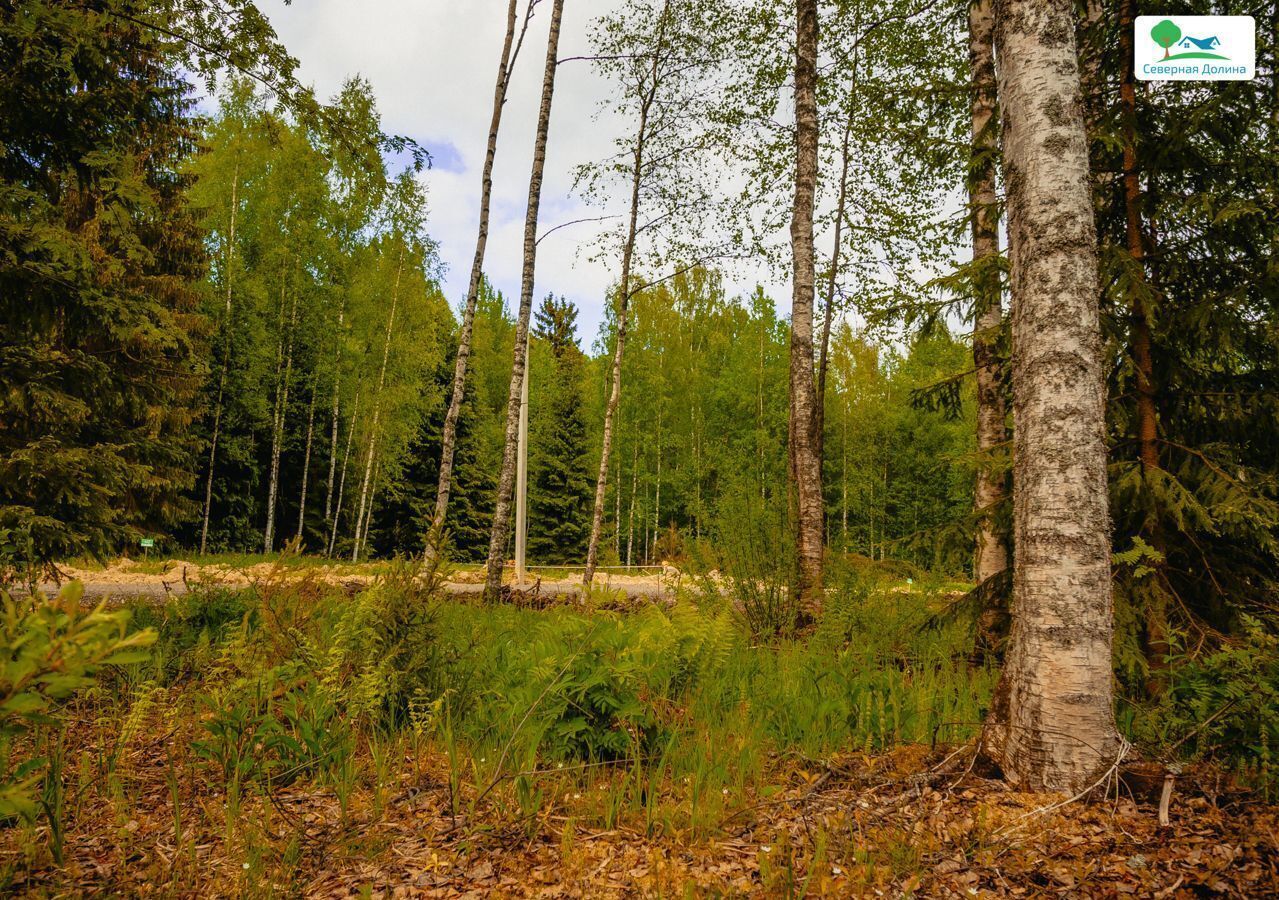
{"x":1052,"y":724}
{"x":227,"y":322}
{"x":506,"y":65}
{"x":506,"y":482}
{"x":805,"y":448}
{"x":991,"y":555}
{"x":644,"y":77}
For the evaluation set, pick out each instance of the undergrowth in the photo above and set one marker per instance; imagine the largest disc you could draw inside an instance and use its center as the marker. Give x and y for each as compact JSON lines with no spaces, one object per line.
{"x":667,"y":718}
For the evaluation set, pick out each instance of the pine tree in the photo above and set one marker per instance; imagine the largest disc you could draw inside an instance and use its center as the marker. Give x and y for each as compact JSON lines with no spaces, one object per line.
{"x":99,"y":272}
{"x":559,"y":466}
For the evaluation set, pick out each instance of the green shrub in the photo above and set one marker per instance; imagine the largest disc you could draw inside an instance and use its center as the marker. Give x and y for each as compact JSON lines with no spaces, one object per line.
{"x":192,"y":628}
{"x":263,"y":737}
{"x":377,"y":653}
{"x":570,"y":686}
{"x":1224,"y":706}
{"x":51,"y":650}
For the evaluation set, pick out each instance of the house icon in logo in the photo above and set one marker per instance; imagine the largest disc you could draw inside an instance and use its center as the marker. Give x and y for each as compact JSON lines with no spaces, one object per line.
{"x":1208,"y":43}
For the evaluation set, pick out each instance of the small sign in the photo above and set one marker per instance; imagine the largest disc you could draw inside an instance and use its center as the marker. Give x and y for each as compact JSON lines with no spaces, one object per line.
{"x":1195,"y":48}
{"x":147,"y":542}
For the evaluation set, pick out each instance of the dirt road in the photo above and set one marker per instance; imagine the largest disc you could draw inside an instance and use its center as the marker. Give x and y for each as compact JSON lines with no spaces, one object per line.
{"x":129,"y":580}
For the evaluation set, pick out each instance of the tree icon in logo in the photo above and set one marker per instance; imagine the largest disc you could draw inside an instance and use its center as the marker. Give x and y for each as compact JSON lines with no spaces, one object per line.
{"x":1166,"y":33}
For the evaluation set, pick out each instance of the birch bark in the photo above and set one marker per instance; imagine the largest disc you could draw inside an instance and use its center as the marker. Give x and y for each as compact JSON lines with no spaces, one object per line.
{"x":374,"y":432}
{"x":306,"y":461}
{"x":506,"y":483}
{"x":346,"y":458}
{"x":805,"y":449}
{"x":623,"y":301}
{"x":991,"y":556}
{"x":226,"y":361}
{"x":449,"y":438}
{"x":1051,"y":725}
{"x":277,"y":429}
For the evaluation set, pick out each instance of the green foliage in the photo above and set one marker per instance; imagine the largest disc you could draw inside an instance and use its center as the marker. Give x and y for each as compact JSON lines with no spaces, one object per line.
{"x":51,"y":651}
{"x":1206,"y":292}
{"x":261,"y":739}
{"x":378,"y":656}
{"x":1224,"y":706}
{"x":190,"y":630}
{"x":595,"y":688}
{"x":560,"y":485}
{"x":100,"y":262}
{"x":751,"y":565}
{"x":311,"y":375}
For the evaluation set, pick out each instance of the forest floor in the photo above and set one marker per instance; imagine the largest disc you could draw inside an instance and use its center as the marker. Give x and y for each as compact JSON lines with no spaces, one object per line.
{"x":905,"y":823}
{"x":299,"y":739}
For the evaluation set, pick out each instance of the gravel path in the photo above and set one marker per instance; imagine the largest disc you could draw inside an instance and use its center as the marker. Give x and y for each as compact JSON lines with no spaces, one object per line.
{"x":160,"y":590}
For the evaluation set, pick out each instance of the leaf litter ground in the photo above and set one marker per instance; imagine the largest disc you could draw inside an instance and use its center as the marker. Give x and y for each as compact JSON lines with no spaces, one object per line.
{"x":909,"y":822}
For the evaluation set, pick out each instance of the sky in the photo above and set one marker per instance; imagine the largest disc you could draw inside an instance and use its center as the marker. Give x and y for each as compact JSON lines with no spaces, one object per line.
{"x":432,"y":65}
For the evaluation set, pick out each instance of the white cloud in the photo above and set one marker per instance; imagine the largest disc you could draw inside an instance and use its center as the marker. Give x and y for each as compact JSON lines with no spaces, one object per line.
{"x":432,"y":66}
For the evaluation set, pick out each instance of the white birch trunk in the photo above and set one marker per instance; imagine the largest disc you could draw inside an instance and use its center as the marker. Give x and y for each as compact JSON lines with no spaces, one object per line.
{"x":506,"y":482}
{"x":333,"y":445}
{"x":277,"y":431}
{"x":449,"y":438}
{"x":346,"y":458}
{"x":306,"y":461}
{"x":377,"y":410}
{"x":1052,"y":725}
{"x":226,"y":361}
{"x":805,"y":450}
{"x":991,"y":552}
{"x":623,"y":301}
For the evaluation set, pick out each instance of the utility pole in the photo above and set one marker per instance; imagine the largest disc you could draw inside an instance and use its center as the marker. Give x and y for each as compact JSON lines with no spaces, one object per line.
{"x":521,"y":478}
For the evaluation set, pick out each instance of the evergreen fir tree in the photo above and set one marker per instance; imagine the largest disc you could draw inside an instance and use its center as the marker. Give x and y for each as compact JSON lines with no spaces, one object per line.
{"x":560,"y":484}
{"x":99,"y":265}
{"x":1185,"y":181}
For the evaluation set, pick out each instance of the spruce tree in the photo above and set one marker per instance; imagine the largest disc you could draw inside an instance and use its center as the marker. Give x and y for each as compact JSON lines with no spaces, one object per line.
{"x":1185,"y":182}
{"x":99,"y":267}
{"x":560,"y":488}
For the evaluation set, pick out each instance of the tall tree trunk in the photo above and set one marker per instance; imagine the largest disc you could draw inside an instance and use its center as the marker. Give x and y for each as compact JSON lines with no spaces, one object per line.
{"x":657,"y":492}
{"x":1052,"y":725}
{"x":506,"y":483}
{"x":832,"y":281}
{"x":277,"y":430}
{"x":374,"y":430}
{"x":623,"y":301}
{"x":805,"y":449}
{"x":346,"y":458}
{"x":448,"y":440}
{"x":1158,"y":646}
{"x":1143,"y":360}
{"x":306,"y":460}
{"x":226,"y":360}
{"x":368,"y":520}
{"x":991,"y":556}
{"x":333,"y":443}
{"x":630,"y":516}
{"x":760,"y":431}
{"x":617,"y":512}
{"x":843,"y":470}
